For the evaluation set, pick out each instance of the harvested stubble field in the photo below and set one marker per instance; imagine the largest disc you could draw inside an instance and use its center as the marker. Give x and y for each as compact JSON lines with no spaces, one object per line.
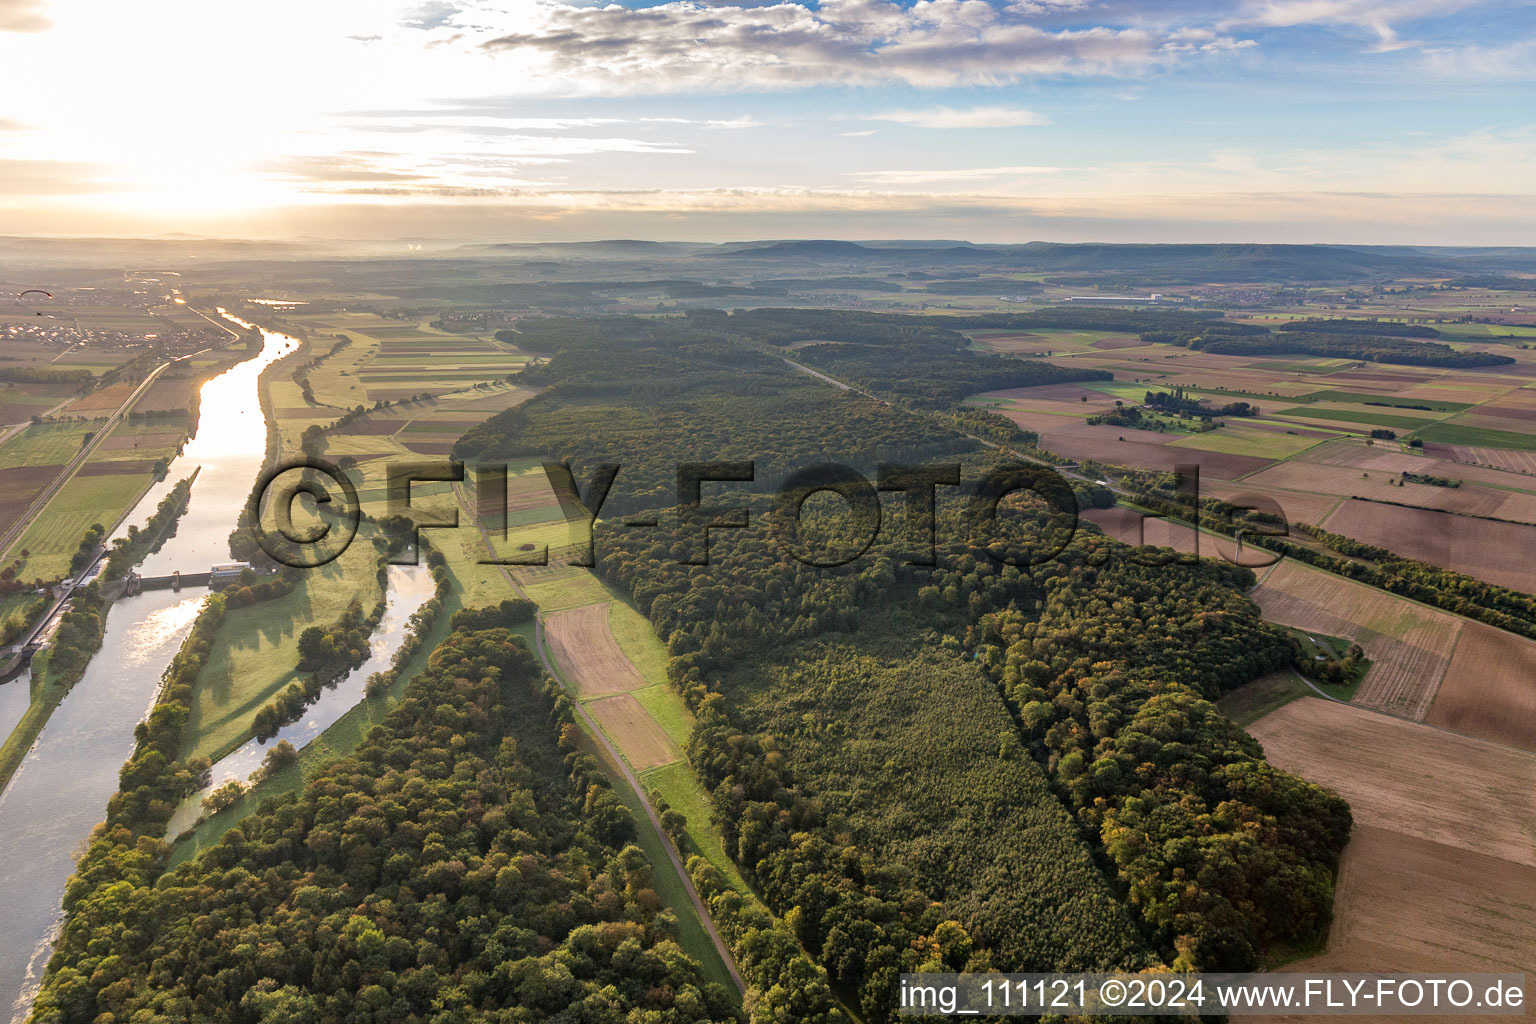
{"x":1437,"y":460}
{"x":1457,"y":791}
{"x":1103,"y":444}
{"x":133,"y":443}
{"x":1406,"y":904}
{"x":1039,"y":422}
{"x":426,"y":446}
{"x":1351,"y":481}
{"x":644,"y":743}
{"x":1131,"y":527}
{"x":490,"y":400}
{"x":1385,"y":458}
{"x":1298,"y":506}
{"x":1409,"y":645}
{"x":584,"y":647}
{"x":1063,"y":393}
{"x":1499,"y":552}
{"x":1440,"y":873}
{"x":103,"y":401}
{"x":1490,"y":688}
{"x":1509,"y":459}
{"x":170,"y":390}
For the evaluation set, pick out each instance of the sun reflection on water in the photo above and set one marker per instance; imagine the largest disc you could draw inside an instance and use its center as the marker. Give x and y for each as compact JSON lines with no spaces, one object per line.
{"x":147,"y":640}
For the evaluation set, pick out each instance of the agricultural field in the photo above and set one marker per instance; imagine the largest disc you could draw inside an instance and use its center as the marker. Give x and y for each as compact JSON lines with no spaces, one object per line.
{"x":1239,"y":438}
{"x":102,"y":401}
{"x":1410,"y":645}
{"x":1387,"y":485}
{"x":1490,"y":688}
{"x":31,"y":459}
{"x":637,"y":734}
{"x":1499,"y":552}
{"x":1048,"y":341}
{"x":584,"y":648}
{"x":20,"y":402}
{"x":1441,"y":871}
{"x":389,"y":360}
{"x":1130,"y":526}
{"x":120,"y":469}
{"x":1298,"y":506}
{"x":911,"y":760}
{"x":45,"y":444}
{"x":1251,"y":702}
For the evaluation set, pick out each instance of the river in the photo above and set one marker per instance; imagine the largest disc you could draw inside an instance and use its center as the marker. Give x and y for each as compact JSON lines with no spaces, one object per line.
{"x":60,"y":791}
{"x":409,"y":587}
{"x":15,"y":696}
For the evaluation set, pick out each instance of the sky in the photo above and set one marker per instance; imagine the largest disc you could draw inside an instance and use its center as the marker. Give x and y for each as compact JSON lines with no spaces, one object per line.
{"x":1365,"y":121}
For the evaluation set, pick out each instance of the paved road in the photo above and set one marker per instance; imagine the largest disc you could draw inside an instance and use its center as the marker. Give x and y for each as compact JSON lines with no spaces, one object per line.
{"x":618,"y":759}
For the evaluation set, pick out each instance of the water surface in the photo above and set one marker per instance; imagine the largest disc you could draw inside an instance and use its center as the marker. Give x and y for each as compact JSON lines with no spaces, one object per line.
{"x":15,"y":696}
{"x":409,"y":588}
{"x":60,"y":791}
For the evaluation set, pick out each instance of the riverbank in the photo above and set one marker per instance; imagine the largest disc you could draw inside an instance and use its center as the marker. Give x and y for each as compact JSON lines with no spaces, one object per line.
{"x":75,"y":766}
{"x":49,"y":686}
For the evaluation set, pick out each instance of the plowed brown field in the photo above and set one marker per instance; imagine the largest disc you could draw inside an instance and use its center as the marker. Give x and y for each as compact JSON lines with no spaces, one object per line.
{"x":1490,"y":689}
{"x":634,"y":732}
{"x":1501,"y":553}
{"x":584,"y":648}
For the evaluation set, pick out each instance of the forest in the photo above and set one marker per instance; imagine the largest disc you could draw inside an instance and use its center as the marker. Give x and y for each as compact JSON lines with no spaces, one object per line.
{"x":1005,"y":758}
{"x":871,"y":769}
{"x":1368,"y":327}
{"x":1107,"y":669}
{"x":1177,"y":401}
{"x":462,"y":865}
{"x":1340,"y":346}
{"x":833,"y":703}
{"x":649,"y":394}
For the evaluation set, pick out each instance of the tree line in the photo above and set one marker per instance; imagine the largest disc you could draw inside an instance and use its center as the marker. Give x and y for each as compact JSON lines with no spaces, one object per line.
{"x":461,"y":866}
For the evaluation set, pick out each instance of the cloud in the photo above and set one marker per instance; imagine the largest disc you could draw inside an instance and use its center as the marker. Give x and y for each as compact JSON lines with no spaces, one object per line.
{"x":341,"y":168}
{"x":49,"y":177}
{"x":1380,"y":17}
{"x":684,"y":45}
{"x":23,"y":16}
{"x":1515,"y":60}
{"x":860,"y":135}
{"x":976,"y":117}
{"x":905,"y":177}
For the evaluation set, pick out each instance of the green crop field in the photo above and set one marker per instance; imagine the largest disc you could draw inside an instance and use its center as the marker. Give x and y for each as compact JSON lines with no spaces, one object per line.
{"x":1386,"y":401}
{"x":44,"y":444}
{"x":1238,"y":440}
{"x":1452,"y":433}
{"x":1485,"y":332}
{"x":569,"y":591}
{"x":54,"y":536}
{"x":1247,"y":704}
{"x":1369,"y":418}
